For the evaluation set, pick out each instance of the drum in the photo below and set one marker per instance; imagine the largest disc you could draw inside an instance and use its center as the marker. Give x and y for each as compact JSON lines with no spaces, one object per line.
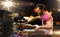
{"x":25,"y":26}
{"x":21,"y":26}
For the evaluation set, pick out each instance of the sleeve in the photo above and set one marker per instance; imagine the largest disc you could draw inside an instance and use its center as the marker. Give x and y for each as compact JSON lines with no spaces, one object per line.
{"x":47,"y":17}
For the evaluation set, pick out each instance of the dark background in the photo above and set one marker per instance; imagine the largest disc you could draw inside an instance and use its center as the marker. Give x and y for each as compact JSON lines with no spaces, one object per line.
{"x":26,"y":10}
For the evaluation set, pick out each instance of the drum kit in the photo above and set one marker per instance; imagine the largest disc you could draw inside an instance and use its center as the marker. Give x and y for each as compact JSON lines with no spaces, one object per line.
{"x":26,"y":28}
{"x":24,"y":24}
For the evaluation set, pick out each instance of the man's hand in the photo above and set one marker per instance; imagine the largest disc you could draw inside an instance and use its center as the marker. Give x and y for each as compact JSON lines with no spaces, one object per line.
{"x":45,"y":27}
{"x":37,"y":17}
{"x":32,"y":19}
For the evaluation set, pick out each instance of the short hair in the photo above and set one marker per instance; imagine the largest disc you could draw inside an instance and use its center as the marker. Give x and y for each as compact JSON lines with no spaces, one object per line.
{"x":41,"y":6}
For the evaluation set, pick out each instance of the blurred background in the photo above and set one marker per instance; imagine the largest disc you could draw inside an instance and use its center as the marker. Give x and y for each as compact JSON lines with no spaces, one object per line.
{"x":20,"y":8}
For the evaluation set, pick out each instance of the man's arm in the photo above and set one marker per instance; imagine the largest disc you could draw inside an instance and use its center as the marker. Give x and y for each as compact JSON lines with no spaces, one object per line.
{"x":34,"y":18}
{"x":49,"y":25}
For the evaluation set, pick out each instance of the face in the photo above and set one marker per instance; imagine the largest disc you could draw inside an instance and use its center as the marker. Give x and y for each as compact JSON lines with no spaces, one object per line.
{"x":37,"y":10}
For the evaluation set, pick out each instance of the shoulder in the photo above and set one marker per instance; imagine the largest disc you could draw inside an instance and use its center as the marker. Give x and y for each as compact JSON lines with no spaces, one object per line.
{"x":48,"y":16}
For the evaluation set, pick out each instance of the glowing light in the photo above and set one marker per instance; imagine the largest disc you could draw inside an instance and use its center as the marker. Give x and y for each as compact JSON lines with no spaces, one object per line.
{"x":31,"y":17}
{"x":58,"y":10}
{"x":50,"y":12}
{"x":7,"y":3}
{"x":58,"y":0}
{"x":57,"y":32}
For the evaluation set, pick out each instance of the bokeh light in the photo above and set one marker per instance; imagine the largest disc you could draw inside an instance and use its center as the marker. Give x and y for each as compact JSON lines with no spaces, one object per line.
{"x":7,"y":3}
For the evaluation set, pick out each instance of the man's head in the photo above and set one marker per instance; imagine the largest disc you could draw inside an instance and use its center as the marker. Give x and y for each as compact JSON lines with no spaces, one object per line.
{"x":40,"y":8}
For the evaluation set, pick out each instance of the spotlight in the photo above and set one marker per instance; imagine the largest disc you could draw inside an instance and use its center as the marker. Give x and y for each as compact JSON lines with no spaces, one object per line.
{"x":7,"y":3}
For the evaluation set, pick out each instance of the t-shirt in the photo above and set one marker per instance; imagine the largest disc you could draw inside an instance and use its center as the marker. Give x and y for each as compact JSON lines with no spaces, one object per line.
{"x":47,"y":18}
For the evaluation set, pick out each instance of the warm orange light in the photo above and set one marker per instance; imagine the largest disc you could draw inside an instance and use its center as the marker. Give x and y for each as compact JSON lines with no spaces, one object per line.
{"x":50,"y":12}
{"x":31,"y":17}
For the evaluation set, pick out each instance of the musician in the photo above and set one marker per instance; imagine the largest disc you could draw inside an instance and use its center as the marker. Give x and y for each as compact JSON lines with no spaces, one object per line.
{"x":47,"y":19}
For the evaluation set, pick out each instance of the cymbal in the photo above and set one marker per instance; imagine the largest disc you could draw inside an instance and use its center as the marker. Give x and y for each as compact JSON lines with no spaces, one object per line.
{"x":22,"y":20}
{"x":12,"y":15}
{"x":27,"y":18}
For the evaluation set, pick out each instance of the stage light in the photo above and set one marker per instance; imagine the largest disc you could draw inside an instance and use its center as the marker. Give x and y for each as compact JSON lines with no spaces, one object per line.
{"x":58,"y":10}
{"x":7,"y":3}
{"x":57,"y":32}
{"x":58,"y":0}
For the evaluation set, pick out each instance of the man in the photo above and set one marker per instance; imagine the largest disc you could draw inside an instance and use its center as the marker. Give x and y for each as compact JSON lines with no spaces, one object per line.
{"x":47,"y":20}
